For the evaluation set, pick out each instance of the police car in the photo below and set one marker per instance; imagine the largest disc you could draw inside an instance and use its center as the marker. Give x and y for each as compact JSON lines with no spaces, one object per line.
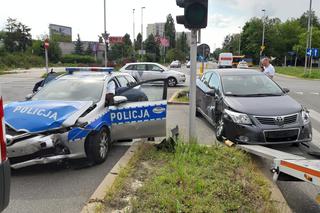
{"x":77,"y":116}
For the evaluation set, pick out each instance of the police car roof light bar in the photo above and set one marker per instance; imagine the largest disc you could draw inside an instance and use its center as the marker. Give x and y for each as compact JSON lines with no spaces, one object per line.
{"x":70,"y":70}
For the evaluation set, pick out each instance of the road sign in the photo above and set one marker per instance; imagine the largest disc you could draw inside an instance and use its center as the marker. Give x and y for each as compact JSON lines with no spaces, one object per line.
{"x":46,"y":43}
{"x":314,"y":52}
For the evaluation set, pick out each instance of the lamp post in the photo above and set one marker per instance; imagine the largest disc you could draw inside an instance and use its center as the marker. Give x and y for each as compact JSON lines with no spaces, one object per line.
{"x":308,"y":38}
{"x":263,"y":32}
{"x":142,"y":27}
{"x":134,"y":27}
{"x":105,"y":37}
{"x":239,"y":41}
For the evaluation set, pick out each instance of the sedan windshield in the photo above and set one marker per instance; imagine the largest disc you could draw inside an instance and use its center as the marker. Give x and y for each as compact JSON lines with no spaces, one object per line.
{"x":250,"y":86}
{"x":71,"y":90}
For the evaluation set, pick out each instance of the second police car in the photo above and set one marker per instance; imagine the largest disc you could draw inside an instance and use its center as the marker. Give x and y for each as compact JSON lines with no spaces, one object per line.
{"x":75,"y":116}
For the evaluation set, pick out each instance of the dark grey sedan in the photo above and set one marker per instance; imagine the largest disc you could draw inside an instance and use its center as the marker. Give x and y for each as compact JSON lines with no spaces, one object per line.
{"x":245,"y":106}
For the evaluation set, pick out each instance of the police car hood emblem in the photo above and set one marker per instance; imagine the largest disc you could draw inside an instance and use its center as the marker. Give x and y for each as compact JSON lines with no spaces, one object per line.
{"x":39,"y":116}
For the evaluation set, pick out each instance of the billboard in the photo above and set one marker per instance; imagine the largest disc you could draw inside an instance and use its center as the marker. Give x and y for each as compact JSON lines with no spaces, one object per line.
{"x":60,"y":33}
{"x":115,"y":40}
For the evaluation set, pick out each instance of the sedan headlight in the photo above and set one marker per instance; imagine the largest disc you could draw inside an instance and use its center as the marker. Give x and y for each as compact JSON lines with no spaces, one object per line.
{"x":305,"y":116}
{"x":238,"y":118}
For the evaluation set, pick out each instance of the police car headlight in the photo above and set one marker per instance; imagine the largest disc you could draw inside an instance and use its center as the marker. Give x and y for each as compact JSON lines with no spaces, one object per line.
{"x":238,"y":118}
{"x":305,"y":116}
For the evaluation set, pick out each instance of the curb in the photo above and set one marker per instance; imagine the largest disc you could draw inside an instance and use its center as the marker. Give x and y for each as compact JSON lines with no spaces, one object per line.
{"x":172,"y":102}
{"x":294,"y":77}
{"x":97,"y":198}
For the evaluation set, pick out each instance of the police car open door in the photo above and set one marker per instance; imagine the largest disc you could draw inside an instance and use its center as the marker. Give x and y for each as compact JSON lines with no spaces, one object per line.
{"x":143,"y":115}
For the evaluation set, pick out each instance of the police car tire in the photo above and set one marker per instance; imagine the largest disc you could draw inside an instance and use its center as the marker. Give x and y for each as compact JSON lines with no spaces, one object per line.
{"x":173,"y":80}
{"x":95,"y":152}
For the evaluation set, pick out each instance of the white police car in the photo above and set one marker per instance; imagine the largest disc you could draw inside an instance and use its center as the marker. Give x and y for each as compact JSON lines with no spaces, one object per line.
{"x":70,"y":117}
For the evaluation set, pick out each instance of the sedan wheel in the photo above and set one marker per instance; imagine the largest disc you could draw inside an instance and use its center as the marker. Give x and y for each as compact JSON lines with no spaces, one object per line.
{"x":172,"y":82}
{"x":98,"y":146}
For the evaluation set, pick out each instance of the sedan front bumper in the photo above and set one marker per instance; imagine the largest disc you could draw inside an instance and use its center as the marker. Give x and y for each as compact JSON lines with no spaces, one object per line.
{"x":263,"y":135}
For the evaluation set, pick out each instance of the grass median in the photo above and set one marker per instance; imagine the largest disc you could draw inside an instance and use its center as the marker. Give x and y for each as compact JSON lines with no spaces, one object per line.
{"x":194,"y":178}
{"x":299,"y":72}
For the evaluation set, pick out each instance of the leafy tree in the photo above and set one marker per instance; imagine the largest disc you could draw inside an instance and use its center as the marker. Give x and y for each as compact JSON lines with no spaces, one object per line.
{"x":301,"y":46}
{"x":175,"y":54}
{"x":54,"y":51}
{"x":17,"y":36}
{"x":303,"y":20}
{"x":138,"y":42}
{"x":89,"y":50}
{"x":216,"y":53}
{"x":152,"y":48}
{"x":78,"y":46}
{"x":126,"y":40}
{"x":116,"y":52}
{"x":182,"y":44}
{"x":170,"y":31}
{"x":231,"y":43}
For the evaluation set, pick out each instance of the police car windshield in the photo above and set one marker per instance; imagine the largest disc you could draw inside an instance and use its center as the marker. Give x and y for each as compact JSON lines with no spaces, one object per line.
{"x":72,"y":90}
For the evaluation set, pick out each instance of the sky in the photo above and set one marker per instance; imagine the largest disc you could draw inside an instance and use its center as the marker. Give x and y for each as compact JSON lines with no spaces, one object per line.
{"x":86,"y":17}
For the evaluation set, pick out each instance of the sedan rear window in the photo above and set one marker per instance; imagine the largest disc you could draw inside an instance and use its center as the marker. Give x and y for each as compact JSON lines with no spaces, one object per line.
{"x":249,"y":85}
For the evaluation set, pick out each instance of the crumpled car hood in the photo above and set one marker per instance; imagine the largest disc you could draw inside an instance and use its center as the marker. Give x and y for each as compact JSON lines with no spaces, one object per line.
{"x":40,"y":116}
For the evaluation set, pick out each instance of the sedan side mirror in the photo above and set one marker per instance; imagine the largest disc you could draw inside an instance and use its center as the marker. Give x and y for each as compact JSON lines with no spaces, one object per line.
{"x":117,"y":100}
{"x":285,"y":90}
{"x":211,"y":92}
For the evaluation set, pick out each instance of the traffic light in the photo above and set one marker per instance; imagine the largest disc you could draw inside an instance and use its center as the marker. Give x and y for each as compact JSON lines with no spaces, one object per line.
{"x":195,"y":13}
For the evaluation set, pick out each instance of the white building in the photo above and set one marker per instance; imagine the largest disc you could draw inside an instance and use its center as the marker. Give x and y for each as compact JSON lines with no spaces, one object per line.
{"x":157,"y":29}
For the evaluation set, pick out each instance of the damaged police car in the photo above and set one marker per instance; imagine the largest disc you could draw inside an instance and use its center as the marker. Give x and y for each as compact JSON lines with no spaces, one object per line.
{"x":79,"y":115}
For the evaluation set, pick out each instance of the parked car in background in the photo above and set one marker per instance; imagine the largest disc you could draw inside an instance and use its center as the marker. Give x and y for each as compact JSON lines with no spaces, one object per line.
{"x":246,"y":106}
{"x":188,"y":64}
{"x":175,"y":64}
{"x":5,"y":172}
{"x":242,"y":65}
{"x":143,"y":71}
{"x":225,"y":60}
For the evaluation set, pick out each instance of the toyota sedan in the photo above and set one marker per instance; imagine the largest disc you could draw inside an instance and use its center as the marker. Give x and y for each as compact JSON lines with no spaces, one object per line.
{"x":245,"y":106}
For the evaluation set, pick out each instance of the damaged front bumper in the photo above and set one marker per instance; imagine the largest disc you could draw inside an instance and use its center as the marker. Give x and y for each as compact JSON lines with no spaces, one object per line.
{"x":32,"y":149}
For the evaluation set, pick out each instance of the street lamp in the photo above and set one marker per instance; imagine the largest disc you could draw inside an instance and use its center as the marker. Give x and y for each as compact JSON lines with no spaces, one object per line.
{"x":308,"y":38}
{"x":134,"y":36}
{"x":105,"y":37}
{"x":239,"y":41}
{"x":142,"y":27}
{"x":263,"y":31}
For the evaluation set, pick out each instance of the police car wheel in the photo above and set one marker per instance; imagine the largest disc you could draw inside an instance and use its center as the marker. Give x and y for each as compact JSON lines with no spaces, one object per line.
{"x":98,"y":146}
{"x":172,"y":82}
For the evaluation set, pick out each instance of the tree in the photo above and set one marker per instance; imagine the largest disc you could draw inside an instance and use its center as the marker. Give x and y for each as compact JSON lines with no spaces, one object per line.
{"x":152,"y":48}
{"x":17,"y":36}
{"x":175,"y":54}
{"x":170,"y":31}
{"x":303,"y":20}
{"x":182,"y":44}
{"x":137,"y":44}
{"x":301,"y":46}
{"x":128,"y":49}
{"x":78,"y":49}
{"x":216,"y":53}
{"x":89,"y":50}
{"x":54,"y":51}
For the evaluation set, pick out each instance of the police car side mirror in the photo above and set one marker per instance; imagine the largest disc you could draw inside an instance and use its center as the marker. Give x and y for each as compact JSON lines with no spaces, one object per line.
{"x":285,"y":90}
{"x":29,"y":96}
{"x":117,"y":100}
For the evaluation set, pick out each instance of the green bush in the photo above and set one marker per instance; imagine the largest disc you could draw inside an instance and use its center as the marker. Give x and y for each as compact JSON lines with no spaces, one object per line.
{"x":73,"y":58}
{"x":20,"y":60}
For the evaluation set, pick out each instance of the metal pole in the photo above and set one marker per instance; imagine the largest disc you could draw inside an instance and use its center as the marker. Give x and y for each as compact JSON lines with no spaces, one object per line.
{"x":105,"y":39}
{"x":310,"y":44}
{"x":308,"y":37}
{"x":142,"y":26}
{"x":47,"y":60}
{"x":193,"y":78}
{"x":134,"y":27}
{"x":263,"y":31}
{"x":240,"y":42}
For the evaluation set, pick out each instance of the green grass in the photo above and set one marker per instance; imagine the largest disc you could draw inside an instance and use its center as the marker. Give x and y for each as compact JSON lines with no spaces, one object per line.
{"x":182,"y":96}
{"x":299,"y":72}
{"x":197,"y":179}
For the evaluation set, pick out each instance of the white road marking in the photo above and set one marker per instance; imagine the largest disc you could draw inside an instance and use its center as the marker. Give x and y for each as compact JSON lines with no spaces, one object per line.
{"x":314,"y":115}
{"x":299,"y":93}
{"x":314,"y":93}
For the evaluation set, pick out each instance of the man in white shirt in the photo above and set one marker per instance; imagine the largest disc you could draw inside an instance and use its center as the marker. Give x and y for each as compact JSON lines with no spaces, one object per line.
{"x":267,"y":68}
{"x":111,"y":90}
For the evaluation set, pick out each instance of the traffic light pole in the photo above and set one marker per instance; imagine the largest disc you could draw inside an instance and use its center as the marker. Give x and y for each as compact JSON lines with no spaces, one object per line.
{"x":46,"y":55}
{"x":193,"y":79}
